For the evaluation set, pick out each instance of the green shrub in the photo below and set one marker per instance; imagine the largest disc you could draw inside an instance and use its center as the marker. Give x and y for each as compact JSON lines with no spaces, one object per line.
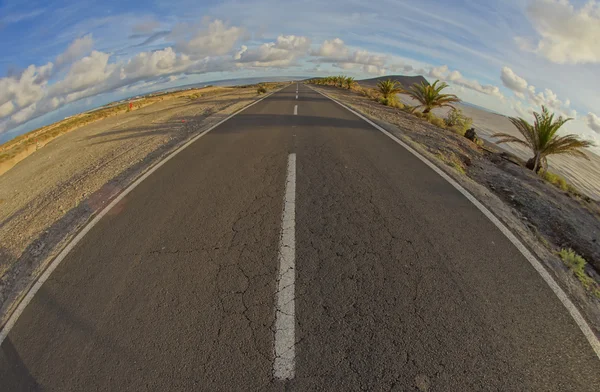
{"x":452,"y":160}
{"x":438,"y":122}
{"x":577,"y":264}
{"x":398,"y":105}
{"x":555,"y":180}
{"x":391,"y":102}
{"x":458,"y":122}
{"x":261,"y":89}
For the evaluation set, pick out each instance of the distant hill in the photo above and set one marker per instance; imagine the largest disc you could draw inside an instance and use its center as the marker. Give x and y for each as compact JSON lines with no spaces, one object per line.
{"x":406,"y":81}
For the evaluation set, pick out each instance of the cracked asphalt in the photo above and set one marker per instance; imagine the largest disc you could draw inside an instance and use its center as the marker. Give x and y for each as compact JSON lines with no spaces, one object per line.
{"x":401,"y":283}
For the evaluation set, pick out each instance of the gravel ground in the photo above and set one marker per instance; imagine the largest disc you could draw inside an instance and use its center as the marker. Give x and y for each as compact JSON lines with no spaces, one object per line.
{"x":545,"y":217}
{"x":46,"y":198}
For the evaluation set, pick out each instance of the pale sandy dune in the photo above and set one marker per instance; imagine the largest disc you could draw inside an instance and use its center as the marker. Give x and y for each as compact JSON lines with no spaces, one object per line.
{"x":583,"y":174}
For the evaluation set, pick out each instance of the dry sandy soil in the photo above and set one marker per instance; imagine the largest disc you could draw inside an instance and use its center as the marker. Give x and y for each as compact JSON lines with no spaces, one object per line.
{"x":47,"y":197}
{"x":544,"y":217}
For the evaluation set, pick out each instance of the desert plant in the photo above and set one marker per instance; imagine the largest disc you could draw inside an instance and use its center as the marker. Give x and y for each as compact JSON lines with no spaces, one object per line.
{"x":368,"y":92}
{"x":430,"y":96}
{"x":457,"y":121}
{"x":349,"y":82}
{"x":438,"y":122}
{"x":577,"y":264}
{"x":542,"y":140}
{"x":389,"y":88}
{"x":261,"y":89}
{"x":555,"y":179}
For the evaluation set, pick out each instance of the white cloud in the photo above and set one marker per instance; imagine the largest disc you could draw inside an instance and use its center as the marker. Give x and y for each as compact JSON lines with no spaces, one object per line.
{"x":513,"y":81}
{"x":29,"y":95}
{"x":157,"y":63}
{"x":282,"y":52}
{"x":87,"y":72}
{"x":526,"y":113}
{"x":6,"y":109}
{"x":78,"y":48}
{"x":334,"y":49}
{"x":524,"y":91}
{"x":568,"y":35}
{"x":26,"y":88}
{"x":593,"y":122}
{"x":440,"y":72}
{"x":339,"y":55}
{"x":455,"y":77}
{"x":215,"y":40}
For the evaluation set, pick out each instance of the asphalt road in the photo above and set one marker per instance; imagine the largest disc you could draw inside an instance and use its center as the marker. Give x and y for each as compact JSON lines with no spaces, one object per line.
{"x":400,"y":282}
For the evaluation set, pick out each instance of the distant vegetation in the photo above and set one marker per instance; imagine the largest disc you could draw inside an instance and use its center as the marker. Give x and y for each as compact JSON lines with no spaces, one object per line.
{"x":428,"y":96}
{"x":349,"y":82}
{"x":542,"y":139}
{"x":261,"y":89}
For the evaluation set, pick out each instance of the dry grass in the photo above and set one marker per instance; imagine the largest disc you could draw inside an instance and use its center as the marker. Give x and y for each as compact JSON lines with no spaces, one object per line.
{"x":452,"y":160}
{"x":577,"y":264}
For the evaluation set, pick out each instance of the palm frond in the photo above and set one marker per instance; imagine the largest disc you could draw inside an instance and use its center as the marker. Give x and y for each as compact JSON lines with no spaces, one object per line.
{"x":429,"y":96}
{"x":542,"y":138}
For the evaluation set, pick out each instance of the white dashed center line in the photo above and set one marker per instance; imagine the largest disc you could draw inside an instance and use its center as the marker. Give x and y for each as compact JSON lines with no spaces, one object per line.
{"x":295,"y":110}
{"x":285,"y":351}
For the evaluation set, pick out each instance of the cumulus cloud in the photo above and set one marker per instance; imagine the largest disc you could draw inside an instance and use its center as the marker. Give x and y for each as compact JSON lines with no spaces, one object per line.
{"x":513,"y":81}
{"x":283,"y":52}
{"x":593,"y":122}
{"x":216,"y":39}
{"x":337,"y":53}
{"x":6,"y":109}
{"x":29,"y":94}
{"x":334,"y":49}
{"x":455,"y":77}
{"x":78,"y":48}
{"x":567,"y":35}
{"x":526,"y":92}
{"x":84,"y":73}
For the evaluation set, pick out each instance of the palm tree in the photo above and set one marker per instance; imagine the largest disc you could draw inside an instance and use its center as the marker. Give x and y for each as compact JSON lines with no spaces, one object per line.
{"x":542,"y":139}
{"x":430,"y":95}
{"x":349,"y":82}
{"x":389,"y":88}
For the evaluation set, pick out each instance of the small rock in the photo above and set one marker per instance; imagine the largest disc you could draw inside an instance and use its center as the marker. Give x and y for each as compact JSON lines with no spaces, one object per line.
{"x":422,"y":382}
{"x":471,"y":134}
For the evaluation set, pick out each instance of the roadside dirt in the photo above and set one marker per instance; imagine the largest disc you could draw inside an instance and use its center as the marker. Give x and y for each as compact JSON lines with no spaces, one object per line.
{"x":48,"y":197}
{"x":544,"y":217}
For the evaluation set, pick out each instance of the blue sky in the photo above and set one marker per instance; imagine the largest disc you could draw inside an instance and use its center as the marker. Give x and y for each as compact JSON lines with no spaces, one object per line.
{"x":61,"y":57}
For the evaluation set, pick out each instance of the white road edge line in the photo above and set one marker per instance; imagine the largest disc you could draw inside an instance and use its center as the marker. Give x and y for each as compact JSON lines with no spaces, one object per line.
{"x":295,"y":110}
{"x":285,"y":322}
{"x":535,"y":263}
{"x":52,"y":266}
